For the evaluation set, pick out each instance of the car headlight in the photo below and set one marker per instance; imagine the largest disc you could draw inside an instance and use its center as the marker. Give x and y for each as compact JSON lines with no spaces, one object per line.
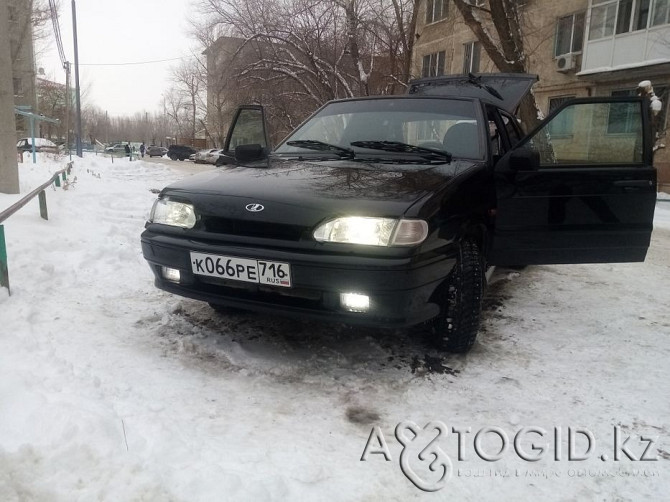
{"x":372,"y":231}
{"x":170,"y":212}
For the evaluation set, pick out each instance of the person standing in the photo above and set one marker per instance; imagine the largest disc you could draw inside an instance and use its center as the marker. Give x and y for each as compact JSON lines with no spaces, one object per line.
{"x":646,"y":90}
{"x":127,"y":149}
{"x":142,"y":149}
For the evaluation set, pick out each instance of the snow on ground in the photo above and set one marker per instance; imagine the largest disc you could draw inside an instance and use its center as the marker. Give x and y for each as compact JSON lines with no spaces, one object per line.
{"x":113,"y":390}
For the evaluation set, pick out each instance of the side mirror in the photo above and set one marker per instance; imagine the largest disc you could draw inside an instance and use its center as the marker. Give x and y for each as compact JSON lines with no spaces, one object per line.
{"x":249,"y":153}
{"x":524,"y":159}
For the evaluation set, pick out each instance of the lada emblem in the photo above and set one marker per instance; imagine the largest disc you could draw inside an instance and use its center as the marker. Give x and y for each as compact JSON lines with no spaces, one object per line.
{"x":254,"y":208}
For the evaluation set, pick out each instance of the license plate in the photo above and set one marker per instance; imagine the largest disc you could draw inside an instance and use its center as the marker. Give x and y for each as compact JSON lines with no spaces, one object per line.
{"x":242,"y":269}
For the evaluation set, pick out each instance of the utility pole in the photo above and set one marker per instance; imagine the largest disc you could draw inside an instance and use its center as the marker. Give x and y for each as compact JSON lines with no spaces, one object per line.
{"x":76,"y":79}
{"x":9,"y":167}
{"x":68,"y":107}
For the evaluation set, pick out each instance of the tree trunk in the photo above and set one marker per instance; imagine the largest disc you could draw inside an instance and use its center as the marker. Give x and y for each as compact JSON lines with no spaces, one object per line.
{"x":9,"y":171}
{"x":506,"y":50}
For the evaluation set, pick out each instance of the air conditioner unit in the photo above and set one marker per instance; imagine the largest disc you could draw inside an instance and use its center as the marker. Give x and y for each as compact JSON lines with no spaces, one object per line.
{"x":566,"y":62}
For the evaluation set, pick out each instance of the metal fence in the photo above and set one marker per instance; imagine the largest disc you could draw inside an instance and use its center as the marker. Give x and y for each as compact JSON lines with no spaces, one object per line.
{"x":41,"y":195}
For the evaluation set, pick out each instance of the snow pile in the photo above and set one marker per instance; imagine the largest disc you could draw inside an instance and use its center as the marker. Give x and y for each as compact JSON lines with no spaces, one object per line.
{"x":113,"y":390}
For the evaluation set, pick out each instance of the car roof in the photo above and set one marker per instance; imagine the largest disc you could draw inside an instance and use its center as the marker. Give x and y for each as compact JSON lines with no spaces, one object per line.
{"x":392,"y":97}
{"x":39,"y":141}
{"x":505,"y":90}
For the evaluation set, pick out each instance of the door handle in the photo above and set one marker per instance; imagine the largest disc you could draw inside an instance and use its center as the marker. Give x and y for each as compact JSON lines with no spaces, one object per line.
{"x":633,"y":183}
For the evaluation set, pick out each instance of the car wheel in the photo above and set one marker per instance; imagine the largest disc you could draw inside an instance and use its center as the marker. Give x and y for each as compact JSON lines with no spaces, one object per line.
{"x":460,"y":299}
{"x":173,"y":157}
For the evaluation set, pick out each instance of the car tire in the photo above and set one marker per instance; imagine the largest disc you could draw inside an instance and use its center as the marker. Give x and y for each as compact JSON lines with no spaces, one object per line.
{"x":173,"y":157}
{"x":460,"y":299}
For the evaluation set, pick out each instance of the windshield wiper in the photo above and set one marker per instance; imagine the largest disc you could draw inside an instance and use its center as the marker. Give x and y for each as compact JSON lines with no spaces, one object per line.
{"x":397,"y":146}
{"x":312,"y":144}
{"x":477,"y":82}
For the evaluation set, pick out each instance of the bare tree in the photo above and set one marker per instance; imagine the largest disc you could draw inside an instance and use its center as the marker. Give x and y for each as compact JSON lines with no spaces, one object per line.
{"x":51,"y":102}
{"x":393,"y":27}
{"x":31,"y":20}
{"x":405,"y":19}
{"x":176,"y":111}
{"x":505,"y":45}
{"x":294,"y":55}
{"x":190,"y":79}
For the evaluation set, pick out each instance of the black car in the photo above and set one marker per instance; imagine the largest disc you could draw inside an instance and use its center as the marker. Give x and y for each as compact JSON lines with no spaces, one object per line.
{"x":386,"y":211}
{"x":180,"y":152}
{"x":156,"y":151}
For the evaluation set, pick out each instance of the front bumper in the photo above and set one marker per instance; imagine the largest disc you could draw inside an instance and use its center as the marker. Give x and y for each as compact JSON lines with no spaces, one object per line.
{"x":400,"y":289}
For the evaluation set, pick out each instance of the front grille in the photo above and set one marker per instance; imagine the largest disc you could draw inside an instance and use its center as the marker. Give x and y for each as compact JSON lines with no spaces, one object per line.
{"x":294,"y":297}
{"x":247,"y":228}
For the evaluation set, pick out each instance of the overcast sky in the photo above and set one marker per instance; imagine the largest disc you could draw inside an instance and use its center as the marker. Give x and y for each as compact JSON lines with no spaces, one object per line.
{"x":123,"y":31}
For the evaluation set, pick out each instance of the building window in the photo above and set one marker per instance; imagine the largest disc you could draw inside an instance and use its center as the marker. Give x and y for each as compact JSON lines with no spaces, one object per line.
{"x":18,"y":88}
{"x":603,"y":15}
{"x":562,"y":124}
{"x":632,"y":16}
{"x":661,"y":13}
{"x":610,"y":17}
{"x":477,"y":3}
{"x":569,"y":34}
{"x":436,"y":10}
{"x":433,"y":64}
{"x":471,"y":56}
{"x":624,"y":120}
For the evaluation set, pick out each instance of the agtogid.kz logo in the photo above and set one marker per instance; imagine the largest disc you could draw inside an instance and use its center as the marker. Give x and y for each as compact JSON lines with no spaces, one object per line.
{"x":426,"y":464}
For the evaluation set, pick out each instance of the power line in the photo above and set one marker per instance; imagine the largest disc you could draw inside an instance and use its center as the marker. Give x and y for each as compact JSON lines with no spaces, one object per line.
{"x":61,"y":51}
{"x":134,"y":62}
{"x":56,"y":25}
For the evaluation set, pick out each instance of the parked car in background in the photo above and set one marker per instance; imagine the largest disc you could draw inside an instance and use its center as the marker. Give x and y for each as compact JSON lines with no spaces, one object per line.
{"x":386,"y":211}
{"x":207,"y":156}
{"x":156,"y":151}
{"x":85,"y":146}
{"x":180,"y":152}
{"x":41,"y":145}
{"x":117,"y":148}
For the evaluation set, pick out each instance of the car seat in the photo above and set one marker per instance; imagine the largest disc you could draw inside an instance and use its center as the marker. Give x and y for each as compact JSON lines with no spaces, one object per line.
{"x":462,"y":140}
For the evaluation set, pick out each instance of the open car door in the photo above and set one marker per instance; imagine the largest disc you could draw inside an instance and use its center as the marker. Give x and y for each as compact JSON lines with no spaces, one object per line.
{"x":581,"y":188}
{"x":247,"y":139}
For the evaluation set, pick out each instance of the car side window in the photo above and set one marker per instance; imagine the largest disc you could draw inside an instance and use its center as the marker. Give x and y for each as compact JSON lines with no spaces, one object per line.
{"x":514,"y":133}
{"x":600,"y":133}
{"x":248,"y":129}
{"x":503,"y":134}
{"x":495,"y":139}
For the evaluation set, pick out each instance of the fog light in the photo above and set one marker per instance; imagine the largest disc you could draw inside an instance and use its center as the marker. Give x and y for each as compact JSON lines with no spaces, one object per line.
{"x":355,"y":302}
{"x":171,"y":274}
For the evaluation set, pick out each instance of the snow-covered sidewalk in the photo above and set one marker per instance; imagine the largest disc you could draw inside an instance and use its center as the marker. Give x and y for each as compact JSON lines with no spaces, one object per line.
{"x":113,"y":390}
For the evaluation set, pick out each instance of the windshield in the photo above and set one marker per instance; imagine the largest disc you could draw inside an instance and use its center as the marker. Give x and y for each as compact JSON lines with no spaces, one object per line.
{"x":438,"y":124}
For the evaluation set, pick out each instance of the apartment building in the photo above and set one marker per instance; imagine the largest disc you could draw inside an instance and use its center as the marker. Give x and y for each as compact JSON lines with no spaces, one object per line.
{"x":23,"y":60}
{"x":578,"y":48}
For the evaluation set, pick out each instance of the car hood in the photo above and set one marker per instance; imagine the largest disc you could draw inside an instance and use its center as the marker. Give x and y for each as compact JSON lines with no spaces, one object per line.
{"x":505,"y":90}
{"x":304,"y":193}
